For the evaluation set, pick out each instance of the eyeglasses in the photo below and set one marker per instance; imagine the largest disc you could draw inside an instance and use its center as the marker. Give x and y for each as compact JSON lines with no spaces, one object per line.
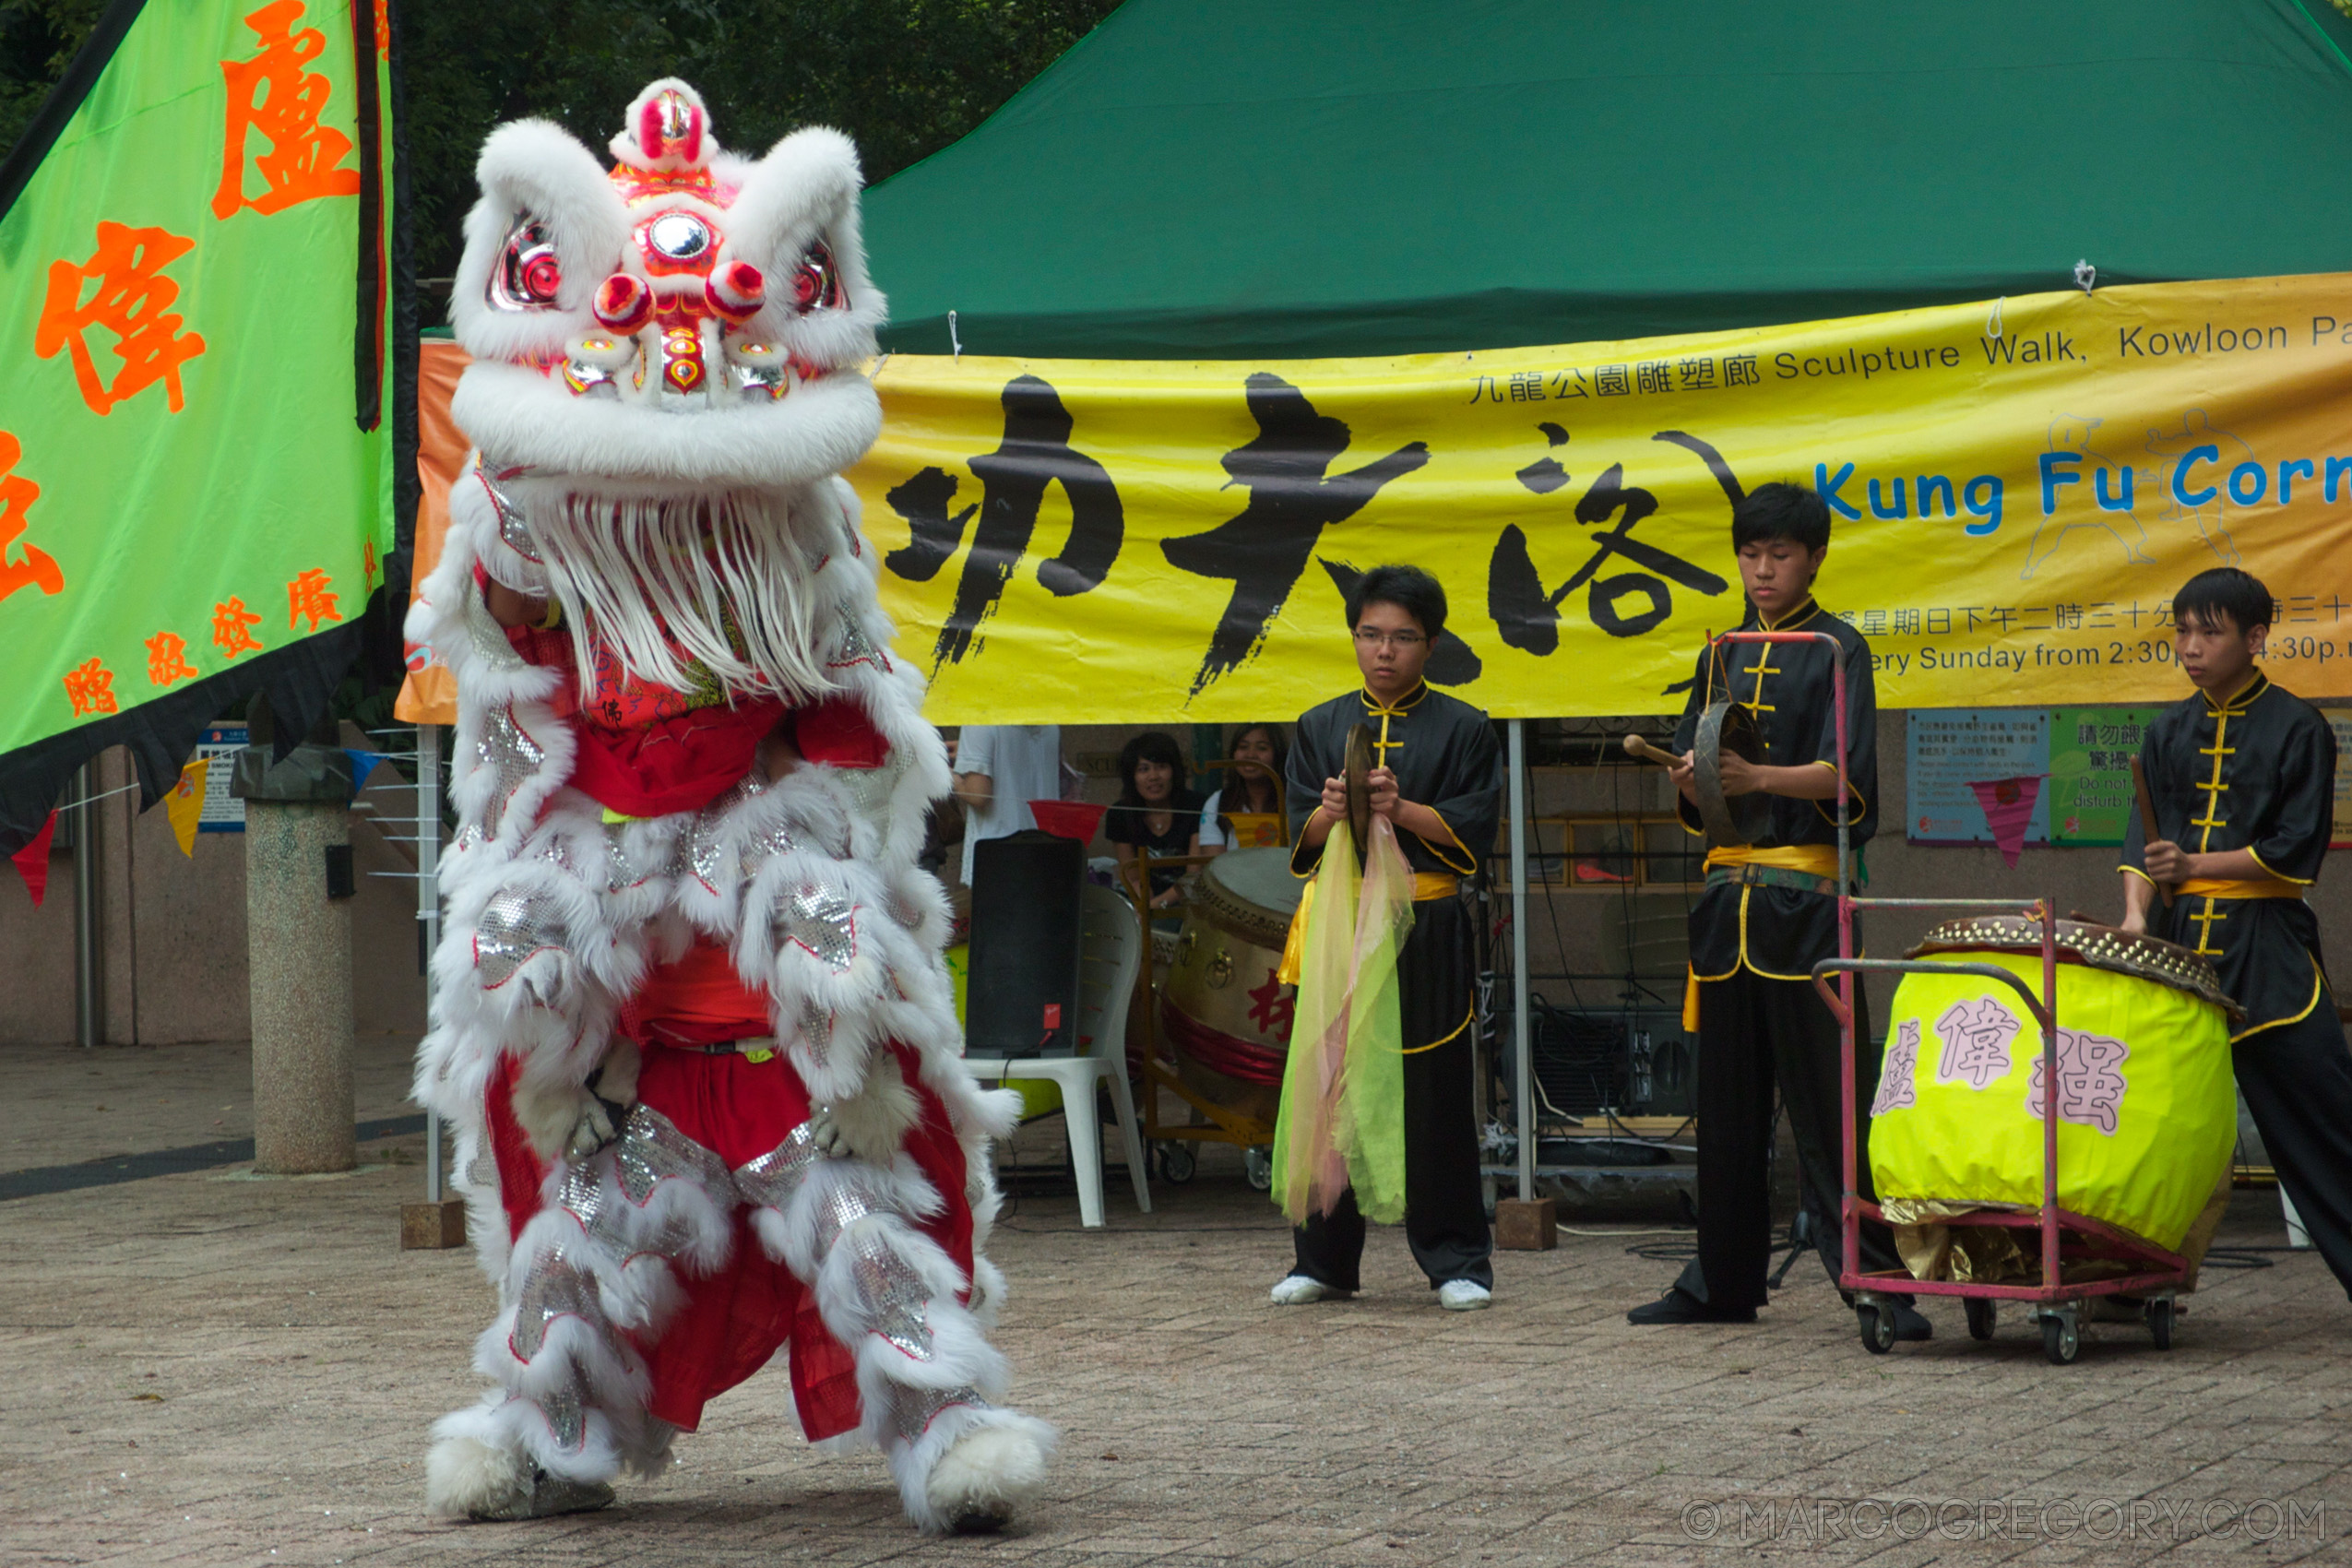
{"x":1367,"y":638}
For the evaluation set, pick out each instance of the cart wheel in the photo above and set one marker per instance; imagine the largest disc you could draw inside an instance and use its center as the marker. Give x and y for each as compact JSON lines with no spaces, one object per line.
{"x":1176,"y":1163}
{"x":1878,"y":1329}
{"x":1980,"y":1316}
{"x":2059,"y":1341}
{"x":2160,"y":1318}
{"x":1258,"y":1165}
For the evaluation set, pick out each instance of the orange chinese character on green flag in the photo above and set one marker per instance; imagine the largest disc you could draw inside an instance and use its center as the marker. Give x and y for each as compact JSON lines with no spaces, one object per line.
{"x":307,"y":595}
{"x":233,"y":626}
{"x":166,"y":659}
{"x":132,"y":300}
{"x":90,"y":688}
{"x":18,"y":493}
{"x":273,"y":94}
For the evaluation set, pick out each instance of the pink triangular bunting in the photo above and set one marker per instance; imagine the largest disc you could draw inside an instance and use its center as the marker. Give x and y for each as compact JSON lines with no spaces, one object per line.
{"x":2008,"y":806}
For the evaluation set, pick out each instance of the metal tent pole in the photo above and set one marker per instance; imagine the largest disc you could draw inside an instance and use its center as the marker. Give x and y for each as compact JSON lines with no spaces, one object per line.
{"x":1522,"y":1042}
{"x":429,"y":912}
{"x":88,"y":1006}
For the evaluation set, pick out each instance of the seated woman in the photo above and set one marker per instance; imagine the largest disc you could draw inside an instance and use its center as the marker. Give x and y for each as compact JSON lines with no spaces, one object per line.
{"x":1155,"y":812}
{"x":1247,"y":812}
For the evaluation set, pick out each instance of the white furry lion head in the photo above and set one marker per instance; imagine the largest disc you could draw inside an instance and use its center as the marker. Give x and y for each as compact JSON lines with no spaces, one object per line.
{"x":667,"y":357}
{"x":684,"y":281}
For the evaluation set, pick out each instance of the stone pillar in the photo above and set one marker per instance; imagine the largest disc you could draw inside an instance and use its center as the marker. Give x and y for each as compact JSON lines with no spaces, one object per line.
{"x":298,"y":940}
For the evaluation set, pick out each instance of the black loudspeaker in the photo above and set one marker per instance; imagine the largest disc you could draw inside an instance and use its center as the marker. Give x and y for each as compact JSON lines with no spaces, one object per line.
{"x":1636,"y":1061}
{"x":1021,"y":998}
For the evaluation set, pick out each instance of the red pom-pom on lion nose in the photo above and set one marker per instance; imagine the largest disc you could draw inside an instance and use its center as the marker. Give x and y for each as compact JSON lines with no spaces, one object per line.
{"x":737,"y":290}
{"x":623,"y":301}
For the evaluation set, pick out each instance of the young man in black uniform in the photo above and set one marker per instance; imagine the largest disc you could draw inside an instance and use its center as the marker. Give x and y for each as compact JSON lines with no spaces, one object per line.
{"x":1438,"y":780}
{"x":1768,"y":914}
{"x":2242,"y":775}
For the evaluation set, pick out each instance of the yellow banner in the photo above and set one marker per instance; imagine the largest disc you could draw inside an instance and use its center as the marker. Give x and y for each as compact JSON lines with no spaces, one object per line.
{"x":2017,"y":489}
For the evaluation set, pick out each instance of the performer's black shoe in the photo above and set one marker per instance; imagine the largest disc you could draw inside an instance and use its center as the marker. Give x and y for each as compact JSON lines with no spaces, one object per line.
{"x":1679,"y":1305}
{"x":1911,"y":1324}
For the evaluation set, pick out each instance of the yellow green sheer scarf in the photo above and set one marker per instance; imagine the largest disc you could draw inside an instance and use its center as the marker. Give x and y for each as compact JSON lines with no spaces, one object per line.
{"x":1342,"y":1122}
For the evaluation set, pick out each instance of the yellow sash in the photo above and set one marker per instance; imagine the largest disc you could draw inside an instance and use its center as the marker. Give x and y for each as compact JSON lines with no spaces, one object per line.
{"x":2253,"y":887}
{"x":1806,"y":860}
{"x":1810,"y":859}
{"x":1427,"y":885}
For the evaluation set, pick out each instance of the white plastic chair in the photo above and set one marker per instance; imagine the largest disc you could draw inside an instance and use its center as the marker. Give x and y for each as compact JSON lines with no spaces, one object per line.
{"x":1110,"y":952}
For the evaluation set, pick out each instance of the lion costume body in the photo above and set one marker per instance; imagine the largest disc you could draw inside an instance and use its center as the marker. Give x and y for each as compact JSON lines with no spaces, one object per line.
{"x":691,"y":1021}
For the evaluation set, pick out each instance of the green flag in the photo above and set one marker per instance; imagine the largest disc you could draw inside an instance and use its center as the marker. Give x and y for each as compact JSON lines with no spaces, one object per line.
{"x":195,"y":474}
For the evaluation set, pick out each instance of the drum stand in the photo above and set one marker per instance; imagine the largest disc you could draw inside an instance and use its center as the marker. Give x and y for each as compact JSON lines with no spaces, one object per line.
{"x":1225,"y":1125}
{"x":2155,"y":1274}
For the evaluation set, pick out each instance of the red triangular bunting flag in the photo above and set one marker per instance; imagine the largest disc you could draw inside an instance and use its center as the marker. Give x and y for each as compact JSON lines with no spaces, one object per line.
{"x":32,"y":861}
{"x":2008,"y":807}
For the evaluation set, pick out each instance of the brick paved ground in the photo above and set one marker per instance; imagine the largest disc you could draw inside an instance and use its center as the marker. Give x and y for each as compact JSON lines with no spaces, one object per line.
{"x":68,"y":1104}
{"x":211,"y":1369}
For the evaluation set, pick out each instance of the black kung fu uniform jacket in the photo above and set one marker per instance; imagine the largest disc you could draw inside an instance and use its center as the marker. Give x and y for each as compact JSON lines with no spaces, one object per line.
{"x":2256,"y":772}
{"x":1768,"y":927}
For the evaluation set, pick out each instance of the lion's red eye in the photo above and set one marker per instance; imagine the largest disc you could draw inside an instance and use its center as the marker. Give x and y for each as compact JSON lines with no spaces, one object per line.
{"x":542,"y":275}
{"x":529,"y":275}
{"x":816,"y":281}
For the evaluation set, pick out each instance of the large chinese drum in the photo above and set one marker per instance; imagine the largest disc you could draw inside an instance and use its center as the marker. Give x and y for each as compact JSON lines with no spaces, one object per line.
{"x":2147,"y":1109}
{"x":1222,"y":1012}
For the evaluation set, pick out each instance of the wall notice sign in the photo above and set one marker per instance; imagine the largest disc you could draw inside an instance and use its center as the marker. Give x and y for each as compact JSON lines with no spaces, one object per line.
{"x":2090,"y":771}
{"x":2078,"y":761}
{"x":224,"y":812}
{"x":1951,"y":748}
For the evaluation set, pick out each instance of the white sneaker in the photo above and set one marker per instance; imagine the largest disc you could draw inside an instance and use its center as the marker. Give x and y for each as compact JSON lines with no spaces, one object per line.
{"x":1299,"y":1289}
{"x":1462,"y":1296}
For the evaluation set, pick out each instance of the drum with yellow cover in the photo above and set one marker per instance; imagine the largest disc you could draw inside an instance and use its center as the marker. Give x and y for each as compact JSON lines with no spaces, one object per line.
{"x":2147,"y":1104}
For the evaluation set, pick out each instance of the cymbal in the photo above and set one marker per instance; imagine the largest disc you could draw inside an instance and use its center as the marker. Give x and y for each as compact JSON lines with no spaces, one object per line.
{"x":1730,"y":820}
{"x":1361,"y":759}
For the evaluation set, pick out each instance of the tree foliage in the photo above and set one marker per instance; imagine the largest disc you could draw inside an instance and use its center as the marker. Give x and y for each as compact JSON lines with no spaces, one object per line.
{"x":903,"y":78}
{"x":37,"y":39}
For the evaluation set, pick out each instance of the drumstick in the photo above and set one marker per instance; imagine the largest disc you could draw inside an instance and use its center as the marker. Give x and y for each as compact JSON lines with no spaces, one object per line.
{"x":2147,"y":819}
{"x":1638,"y":747}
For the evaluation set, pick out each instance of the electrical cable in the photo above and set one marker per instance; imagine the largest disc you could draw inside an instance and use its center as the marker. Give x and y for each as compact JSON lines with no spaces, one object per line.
{"x":2243,"y":1257}
{"x":1671,"y":1230}
{"x":1681,"y":1252}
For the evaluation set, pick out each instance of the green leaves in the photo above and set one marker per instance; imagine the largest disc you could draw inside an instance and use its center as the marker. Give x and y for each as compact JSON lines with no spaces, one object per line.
{"x":903,"y":78}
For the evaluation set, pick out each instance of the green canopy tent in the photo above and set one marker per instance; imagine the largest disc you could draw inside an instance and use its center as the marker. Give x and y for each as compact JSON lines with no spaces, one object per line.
{"x":1303,"y":178}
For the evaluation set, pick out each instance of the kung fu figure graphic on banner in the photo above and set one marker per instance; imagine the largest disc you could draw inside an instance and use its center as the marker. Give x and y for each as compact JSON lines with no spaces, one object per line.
{"x":691,"y":1009}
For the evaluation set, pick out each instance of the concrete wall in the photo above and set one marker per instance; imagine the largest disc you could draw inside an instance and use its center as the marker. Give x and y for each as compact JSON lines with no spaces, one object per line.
{"x":173,"y":944}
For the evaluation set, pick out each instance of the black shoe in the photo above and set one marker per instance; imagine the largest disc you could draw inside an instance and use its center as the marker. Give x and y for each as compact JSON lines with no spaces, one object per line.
{"x":1679,"y":1305}
{"x":1910,"y":1323}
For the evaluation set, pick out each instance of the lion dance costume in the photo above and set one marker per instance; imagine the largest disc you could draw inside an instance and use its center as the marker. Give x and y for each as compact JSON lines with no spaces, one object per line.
{"x":691,"y":1023}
